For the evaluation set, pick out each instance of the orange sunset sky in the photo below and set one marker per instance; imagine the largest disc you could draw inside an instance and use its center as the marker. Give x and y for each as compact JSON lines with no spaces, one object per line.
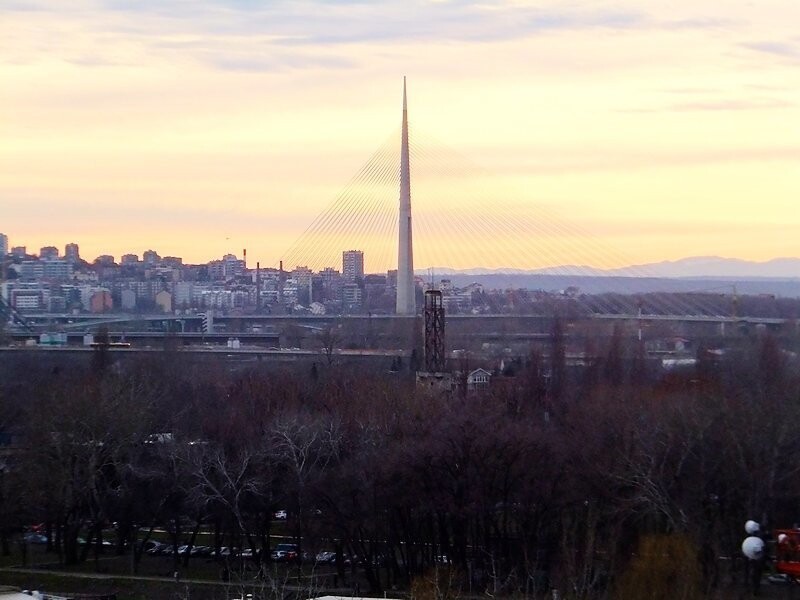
{"x":657,"y":129}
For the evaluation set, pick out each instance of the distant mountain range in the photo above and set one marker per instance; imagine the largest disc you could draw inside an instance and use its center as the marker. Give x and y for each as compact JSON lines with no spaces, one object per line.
{"x":703,"y":267}
{"x":714,"y":274}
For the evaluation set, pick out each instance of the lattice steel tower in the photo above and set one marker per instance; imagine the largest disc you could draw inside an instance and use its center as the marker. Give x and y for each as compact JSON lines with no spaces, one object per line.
{"x":434,"y":332}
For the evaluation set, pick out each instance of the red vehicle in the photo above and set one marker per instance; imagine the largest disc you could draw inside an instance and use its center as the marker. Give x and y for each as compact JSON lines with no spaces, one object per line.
{"x":787,"y":552}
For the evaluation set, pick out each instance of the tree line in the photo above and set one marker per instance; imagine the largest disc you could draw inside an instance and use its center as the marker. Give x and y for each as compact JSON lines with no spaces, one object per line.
{"x":595,"y":482}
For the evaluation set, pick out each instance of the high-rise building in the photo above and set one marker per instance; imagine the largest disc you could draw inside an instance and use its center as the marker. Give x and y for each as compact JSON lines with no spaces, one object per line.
{"x":391,"y":278}
{"x":58,"y":268}
{"x":182,"y":292}
{"x":353,"y":265}
{"x":216,"y":270}
{"x":31,"y":270}
{"x":227,"y":268}
{"x":105,"y":260}
{"x":19,"y":251}
{"x":129,"y":260}
{"x":302,"y":275}
{"x":128,"y":299}
{"x":352,"y":295}
{"x":233,"y":266}
{"x":331,"y":282}
{"x":172,"y":261}
{"x":72,"y":253}
{"x":3,"y":254}
{"x":48,"y":252}
{"x":150,"y":258}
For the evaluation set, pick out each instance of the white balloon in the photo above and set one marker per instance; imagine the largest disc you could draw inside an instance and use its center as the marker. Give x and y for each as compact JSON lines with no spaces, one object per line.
{"x":753,"y":548}
{"x":752,"y":527}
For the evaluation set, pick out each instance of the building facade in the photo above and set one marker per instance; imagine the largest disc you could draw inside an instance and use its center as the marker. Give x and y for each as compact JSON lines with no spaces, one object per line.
{"x":352,"y":265}
{"x":48,"y":252}
{"x":72,"y":252}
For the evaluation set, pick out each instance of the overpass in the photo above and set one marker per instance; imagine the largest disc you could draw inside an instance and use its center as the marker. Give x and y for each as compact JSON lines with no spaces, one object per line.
{"x":187,"y":323}
{"x":270,"y":339}
{"x":391,"y":332}
{"x":719,"y":319}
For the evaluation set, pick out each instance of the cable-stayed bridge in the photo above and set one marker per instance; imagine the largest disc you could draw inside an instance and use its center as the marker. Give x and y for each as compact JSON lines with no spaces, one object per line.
{"x":461,"y":215}
{"x":14,"y":319}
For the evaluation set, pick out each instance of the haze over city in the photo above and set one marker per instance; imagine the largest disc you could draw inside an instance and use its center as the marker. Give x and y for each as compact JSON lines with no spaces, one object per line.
{"x":205,"y":128}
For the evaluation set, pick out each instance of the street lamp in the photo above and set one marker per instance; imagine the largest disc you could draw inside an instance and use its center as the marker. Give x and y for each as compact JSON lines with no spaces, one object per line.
{"x":753,"y":549}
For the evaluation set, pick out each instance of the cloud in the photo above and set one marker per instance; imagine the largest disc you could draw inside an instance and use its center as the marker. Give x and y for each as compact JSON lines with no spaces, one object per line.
{"x":90,"y":60}
{"x":439,"y":22}
{"x":253,"y":35}
{"x":10,"y":6}
{"x":722,"y":105}
{"x":690,"y":90}
{"x":715,"y":106}
{"x":639,"y":227}
{"x":785,"y":50}
{"x":573,"y":161}
{"x":276,"y":62}
{"x":323,"y":22}
{"x":697,"y":23}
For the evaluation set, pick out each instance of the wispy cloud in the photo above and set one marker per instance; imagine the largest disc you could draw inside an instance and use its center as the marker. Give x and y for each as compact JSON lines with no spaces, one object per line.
{"x":276,"y":62}
{"x":22,"y":6}
{"x":725,"y":105}
{"x":96,"y":61}
{"x":572,"y":161}
{"x":715,"y":106}
{"x":785,"y":50}
{"x":248,"y":34}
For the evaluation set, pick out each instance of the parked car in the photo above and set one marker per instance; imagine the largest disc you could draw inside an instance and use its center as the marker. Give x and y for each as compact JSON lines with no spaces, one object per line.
{"x":35,"y":538}
{"x":201,"y":551}
{"x":326,"y":558}
{"x":329,"y":558}
{"x":280,"y":515}
{"x":154,"y":547}
{"x":286,"y":553}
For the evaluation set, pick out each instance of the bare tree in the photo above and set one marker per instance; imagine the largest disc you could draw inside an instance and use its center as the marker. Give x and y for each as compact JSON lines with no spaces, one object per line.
{"x":237,"y":484}
{"x":329,"y":338}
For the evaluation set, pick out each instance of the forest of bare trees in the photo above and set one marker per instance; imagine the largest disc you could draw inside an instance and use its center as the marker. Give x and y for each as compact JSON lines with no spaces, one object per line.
{"x":608,"y":482}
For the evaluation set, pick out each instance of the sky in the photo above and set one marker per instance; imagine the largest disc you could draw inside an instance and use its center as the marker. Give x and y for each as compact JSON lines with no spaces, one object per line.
{"x":646,"y":130}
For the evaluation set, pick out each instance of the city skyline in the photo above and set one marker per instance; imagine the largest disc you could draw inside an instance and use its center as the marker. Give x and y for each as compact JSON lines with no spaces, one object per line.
{"x":663,"y":133}
{"x":687,"y":266}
